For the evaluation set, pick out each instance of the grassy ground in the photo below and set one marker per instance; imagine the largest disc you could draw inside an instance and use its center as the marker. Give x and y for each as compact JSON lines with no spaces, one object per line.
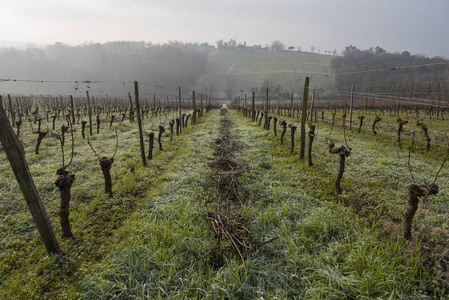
{"x":136,"y":244}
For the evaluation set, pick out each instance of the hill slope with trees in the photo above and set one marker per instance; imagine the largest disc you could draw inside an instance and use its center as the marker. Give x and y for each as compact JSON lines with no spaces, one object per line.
{"x":376,"y":71}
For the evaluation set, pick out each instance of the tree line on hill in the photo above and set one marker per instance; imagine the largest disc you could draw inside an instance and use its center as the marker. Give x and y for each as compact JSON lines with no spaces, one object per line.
{"x":377,"y":71}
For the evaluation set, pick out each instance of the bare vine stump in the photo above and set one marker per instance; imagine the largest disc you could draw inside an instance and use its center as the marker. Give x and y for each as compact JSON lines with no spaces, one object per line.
{"x":106,"y":165}
{"x":182,"y":120}
{"x":83,"y":128}
{"x":415,"y":191}
{"x":98,"y":124}
{"x":292,"y":134}
{"x":159,"y":138}
{"x":261,"y":117}
{"x":257,"y":116}
{"x":54,"y":120}
{"x":194,"y":117}
{"x":377,"y":119}
{"x":150,"y":152}
{"x":343,"y":152}
{"x":39,"y":122}
{"x":268,"y":122}
{"x":178,"y":125}
{"x":18,"y":124}
{"x":64,"y":183}
{"x":284,"y":129}
{"x":401,"y":123}
{"x":112,"y":120}
{"x":361,"y":122}
{"x":309,"y":146}
{"x":40,"y":137}
{"x":424,"y":129}
{"x":123,"y":117}
{"x":64,"y":129}
{"x":67,"y":119}
{"x":187,"y":120}
{"x":171,"y":123}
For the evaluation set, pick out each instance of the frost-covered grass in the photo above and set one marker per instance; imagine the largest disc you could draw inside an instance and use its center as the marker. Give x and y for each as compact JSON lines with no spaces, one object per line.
{"x":137,"y":245}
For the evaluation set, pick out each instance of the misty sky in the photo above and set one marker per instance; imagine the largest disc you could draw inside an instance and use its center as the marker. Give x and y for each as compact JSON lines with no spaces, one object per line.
{"x":418,"y":26}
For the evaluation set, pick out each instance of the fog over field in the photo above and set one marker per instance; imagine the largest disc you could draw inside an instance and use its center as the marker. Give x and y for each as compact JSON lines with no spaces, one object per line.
{"x":170,"y":44}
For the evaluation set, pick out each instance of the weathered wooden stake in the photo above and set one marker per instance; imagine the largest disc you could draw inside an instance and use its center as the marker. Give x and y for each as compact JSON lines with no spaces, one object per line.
{"x":303,"y":118}
{"x":72,"y":107}
{"x":253,"y":107}
{"x":194,"y":108}
{"x":150,"y":150}
{"x":292,"y":134}
{"x":351,"y":107}
{"x":139,"y":121}
{"x":16,"y":157}
{"x":159,"y":138}
{"x":90,"y":112}
{"x":13,"y":115}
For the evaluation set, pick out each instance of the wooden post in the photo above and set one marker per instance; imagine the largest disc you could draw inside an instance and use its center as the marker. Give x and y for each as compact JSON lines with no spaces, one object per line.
{"x":352,"y":107}
{"x":180,"y":110}
{"x":438,"y":106}
{"x":253,"y":107}
{"x":201,"y":108}
{"x":311,"y":105}
{"x":16,"y":156}
{"x":73,"y":109}
{"x":13,"y":118}
{"x":291,"y":107}
{"x":266,"y":112}
{"x":303,"y":118}
{"x":194,"y":108}
{"x":139,"y":121}
{"x":89,"y":108}
{"x":63,"y":108}
{"x":131,"y":108}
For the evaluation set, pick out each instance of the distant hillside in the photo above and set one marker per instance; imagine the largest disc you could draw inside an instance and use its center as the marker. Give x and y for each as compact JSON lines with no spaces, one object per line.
{"x":221,"y":73}
{"x":235,"y":72}
{"x":375,"y":71}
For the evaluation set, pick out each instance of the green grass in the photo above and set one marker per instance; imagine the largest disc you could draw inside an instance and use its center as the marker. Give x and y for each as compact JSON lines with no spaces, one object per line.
{"x":138,"y":244}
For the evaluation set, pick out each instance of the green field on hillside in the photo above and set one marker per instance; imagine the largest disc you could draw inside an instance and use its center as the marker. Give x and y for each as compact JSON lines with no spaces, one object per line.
{"x":249,"y":69}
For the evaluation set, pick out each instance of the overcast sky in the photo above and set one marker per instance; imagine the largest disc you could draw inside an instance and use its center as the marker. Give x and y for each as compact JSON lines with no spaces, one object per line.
{"x":418,"y":26}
